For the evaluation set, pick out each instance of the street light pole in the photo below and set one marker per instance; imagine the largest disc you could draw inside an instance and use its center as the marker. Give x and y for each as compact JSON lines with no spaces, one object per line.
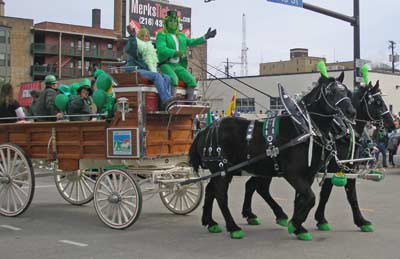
{"x":354,"y":21}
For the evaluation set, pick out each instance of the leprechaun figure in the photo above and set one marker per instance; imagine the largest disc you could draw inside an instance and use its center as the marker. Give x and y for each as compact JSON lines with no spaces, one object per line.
{"x":172,"y":47}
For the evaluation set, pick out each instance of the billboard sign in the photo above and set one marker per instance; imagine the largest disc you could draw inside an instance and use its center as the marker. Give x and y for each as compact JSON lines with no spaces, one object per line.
{"x":150,"y":14}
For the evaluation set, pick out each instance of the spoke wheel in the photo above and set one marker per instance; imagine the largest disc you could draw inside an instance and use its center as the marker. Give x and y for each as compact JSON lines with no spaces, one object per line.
{"x":76,"y":187}
{"x":182,"y":200}
{"x":17,"y":181}
{"x":117,"y":199}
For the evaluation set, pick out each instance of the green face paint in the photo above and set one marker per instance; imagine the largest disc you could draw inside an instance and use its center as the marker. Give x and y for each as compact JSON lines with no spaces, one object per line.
{"x":172,"y":25}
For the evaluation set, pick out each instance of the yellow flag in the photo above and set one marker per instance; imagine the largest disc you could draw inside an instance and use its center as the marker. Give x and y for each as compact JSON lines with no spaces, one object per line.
{"x":232,"y":105}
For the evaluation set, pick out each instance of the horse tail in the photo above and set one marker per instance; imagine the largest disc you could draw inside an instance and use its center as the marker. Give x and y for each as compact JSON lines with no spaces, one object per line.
{"x":194,"y":156}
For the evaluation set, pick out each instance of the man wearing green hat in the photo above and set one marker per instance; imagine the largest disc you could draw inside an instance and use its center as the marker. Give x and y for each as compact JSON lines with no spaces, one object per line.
{"x":79,"y":104}
{"x":172,"y":47}
{"x":45,"y":103}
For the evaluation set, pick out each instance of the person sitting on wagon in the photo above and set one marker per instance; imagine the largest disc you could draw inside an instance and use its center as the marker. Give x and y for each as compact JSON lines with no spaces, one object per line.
{"x":35,"y":95}
{"x":9,"y":107}
{"x":80,"y":104}
{"x":142,"y":54}
{"x":45,"y":103}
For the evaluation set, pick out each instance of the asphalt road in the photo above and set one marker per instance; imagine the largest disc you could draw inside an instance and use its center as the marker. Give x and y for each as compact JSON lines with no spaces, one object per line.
{"x":51,"y":228}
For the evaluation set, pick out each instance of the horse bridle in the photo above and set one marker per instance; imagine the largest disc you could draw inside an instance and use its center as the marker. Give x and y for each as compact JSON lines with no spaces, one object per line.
{"x":372,"y":99}
{"x":335,"y":106}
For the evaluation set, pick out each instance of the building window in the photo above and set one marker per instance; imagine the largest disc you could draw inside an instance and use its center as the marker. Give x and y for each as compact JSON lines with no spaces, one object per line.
{"x":72,"y":44}
{"x":71,"y":65}
{"x":87,"y":65}
{"x":275,"y":104}
{"x":79,"y":64}
{"x":190,"y":53}
{"x":245,"y":105}
{"x":94,"y":45}
{"x":3,"y":34}
{"x":79,"y":44}
{"x":87,"y":45}
{"x":2,"y":59}
{"x":109,"y":46}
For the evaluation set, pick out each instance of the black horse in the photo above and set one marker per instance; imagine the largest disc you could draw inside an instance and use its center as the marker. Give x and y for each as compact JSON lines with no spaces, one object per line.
{"x":370,"y":107}
{"x":330,"y":97}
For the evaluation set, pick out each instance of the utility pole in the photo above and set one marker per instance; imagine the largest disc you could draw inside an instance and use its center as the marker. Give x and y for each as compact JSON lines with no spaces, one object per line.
{"x":227,"y":68}
{"x":392,"y":46}
{"x":244,"y":65}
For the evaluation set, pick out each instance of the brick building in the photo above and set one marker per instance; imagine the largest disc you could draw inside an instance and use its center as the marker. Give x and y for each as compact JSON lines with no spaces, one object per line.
{"x":15,"y":55}
{"x":300,"y":62}
{"x":71,"y":51}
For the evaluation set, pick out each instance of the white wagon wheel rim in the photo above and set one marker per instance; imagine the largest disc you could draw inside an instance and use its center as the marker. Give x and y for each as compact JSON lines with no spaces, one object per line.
{"x":17,"y":183}
{"x":117,"y":199}
{"x":182,"y":199}
{"x":75,"y":187}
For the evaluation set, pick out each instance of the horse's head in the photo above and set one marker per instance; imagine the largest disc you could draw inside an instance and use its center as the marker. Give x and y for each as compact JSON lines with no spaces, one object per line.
{"x":372,"y":107}
{"x":331,"y":97}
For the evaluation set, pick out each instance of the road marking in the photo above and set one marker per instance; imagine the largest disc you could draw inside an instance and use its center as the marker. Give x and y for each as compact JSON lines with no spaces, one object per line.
{"x":279,"y":199}
{"x":10,"y":227}
{"x":69,"y":242}
{"x":367,"y":210}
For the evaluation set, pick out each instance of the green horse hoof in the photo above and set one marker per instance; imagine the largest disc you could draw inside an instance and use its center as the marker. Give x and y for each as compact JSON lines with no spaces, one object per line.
{"x":215,"y":229}
{"x":254,"y":221}
{"x":238,"y":234}
{"x":367,"y":228}
{"x":304,"y":236}
{"x":291,"y":229}
{"x":324,"y":227}
{"x":282,"y":222}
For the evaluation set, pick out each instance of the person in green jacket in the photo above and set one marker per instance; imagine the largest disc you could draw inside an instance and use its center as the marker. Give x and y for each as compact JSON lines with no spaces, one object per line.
{"x":45,"y":103}
{"x":172,"y":47}
{"x":80,"y":104}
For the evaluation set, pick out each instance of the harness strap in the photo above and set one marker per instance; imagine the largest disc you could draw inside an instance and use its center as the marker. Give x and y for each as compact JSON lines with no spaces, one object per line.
{"x":262,"y":156}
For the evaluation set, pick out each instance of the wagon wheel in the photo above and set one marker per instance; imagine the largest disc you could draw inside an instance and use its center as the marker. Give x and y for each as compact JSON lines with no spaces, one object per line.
{"x":17,"y":180}
{"x":182,"y":200}
{"x":76,"y":187}
{"x":117,"y":199}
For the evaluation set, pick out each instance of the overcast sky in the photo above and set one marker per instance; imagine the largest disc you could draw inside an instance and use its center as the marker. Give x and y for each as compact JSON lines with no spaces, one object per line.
{"x":272,"y":29}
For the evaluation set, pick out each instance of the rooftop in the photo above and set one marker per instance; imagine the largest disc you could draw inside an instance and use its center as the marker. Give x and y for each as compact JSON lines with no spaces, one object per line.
{"x":76,"y":29}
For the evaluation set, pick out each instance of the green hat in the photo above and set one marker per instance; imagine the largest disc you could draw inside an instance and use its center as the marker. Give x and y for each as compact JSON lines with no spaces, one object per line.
{"x":172,"y":14}
{"x":97,"y":73}
{"x":85,"y":82}
{"x":50,"y":79}
{"x":85,"y":87}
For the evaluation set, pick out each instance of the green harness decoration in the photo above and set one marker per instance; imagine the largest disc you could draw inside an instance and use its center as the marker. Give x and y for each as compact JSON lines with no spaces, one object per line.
{"x":322,"y":69}
{"x":364,"y":72}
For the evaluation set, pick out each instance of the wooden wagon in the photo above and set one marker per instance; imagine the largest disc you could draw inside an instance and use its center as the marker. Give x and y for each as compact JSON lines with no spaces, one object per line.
{"x":140,"y":151}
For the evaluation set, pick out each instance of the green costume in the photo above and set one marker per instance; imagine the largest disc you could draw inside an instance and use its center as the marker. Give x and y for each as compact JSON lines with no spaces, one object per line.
{"x":171,"y":48}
